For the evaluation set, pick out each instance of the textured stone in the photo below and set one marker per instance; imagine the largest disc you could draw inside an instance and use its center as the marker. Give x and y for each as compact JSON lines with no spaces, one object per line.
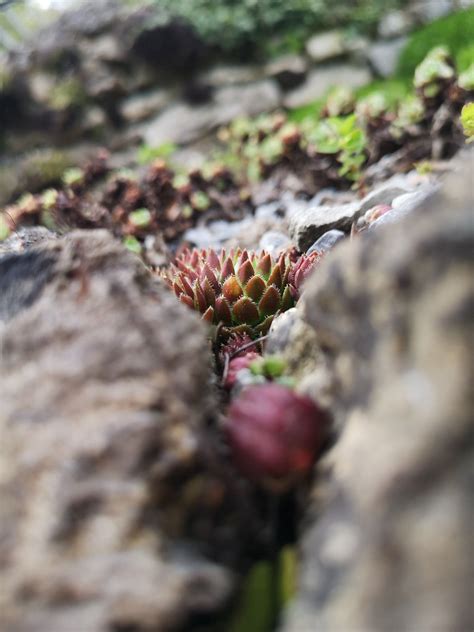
{"x":325,"y":46}
{"x":395,"y":23}
{"x":383,"y":55}
{"x":182,"y":123}
{"x":321,"y":79}
{"x":327,"y":241}
{"x":114,"y":511}
{"x":308,"y":224}
{"x":389,"y":537}
{"x":288,"y":70}
{"x":142,"y":106}
{"x":221,"y":76}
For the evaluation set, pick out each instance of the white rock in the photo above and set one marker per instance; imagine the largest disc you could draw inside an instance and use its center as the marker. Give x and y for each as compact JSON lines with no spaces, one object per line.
{"x":326,"y":45}
{"x":327,"y":241}
{"x":321,"y":79}
{"x":274,"y":242}
{"x":182,"y":123}
{"x":383,"y":56}
{"x":141,"y":106}
{"x":307,"y":226}
{"x":395,"y":23}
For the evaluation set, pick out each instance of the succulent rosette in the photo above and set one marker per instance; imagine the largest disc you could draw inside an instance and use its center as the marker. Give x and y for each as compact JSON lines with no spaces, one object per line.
{"x":300,"y":271}
{"x":242,"y":291}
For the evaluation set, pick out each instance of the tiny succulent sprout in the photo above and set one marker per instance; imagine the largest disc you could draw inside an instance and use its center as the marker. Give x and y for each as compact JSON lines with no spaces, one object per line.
{"x":271,"y":366}
{"x":141,"y":218}
{"x":275,"y":434}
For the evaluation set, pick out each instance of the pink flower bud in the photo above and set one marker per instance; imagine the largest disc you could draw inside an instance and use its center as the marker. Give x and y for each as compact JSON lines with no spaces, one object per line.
{"x":275,"y":434}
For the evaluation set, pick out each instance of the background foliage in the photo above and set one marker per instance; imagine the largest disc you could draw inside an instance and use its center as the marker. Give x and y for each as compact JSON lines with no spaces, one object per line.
{"x":274,"y":25}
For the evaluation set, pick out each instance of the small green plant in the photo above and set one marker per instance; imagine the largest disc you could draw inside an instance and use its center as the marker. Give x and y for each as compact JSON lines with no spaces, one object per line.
{"x":435,"y":69}
{"x":466,"y":78}
{"x":141,"y":218}
{"x":146,"y":153}
{"x":4,"y":229}
{"x":132,"y":244}
{"x":344,"y":137}
{"x":73,"y":176}
{"x":467,"y":120}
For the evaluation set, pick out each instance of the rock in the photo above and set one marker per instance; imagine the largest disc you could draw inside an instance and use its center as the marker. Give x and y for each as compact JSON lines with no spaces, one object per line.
{"x":221,"y":76}
{"x":320,"y":80}
{"x":171,"y":46}
{"x":279,"y":335}
{"x":274,"y":242}
{"x":232,"y":102}
{"x":404,"y":205}
{"x":394,"y":24}
{"x":182,"y":123}
{"x":94,"y":119}
{"x":427,"y":10}
{"x":24,"y":238}
{"x":389,"y":530}
{"x":41,"y":85}
{"x":309,"y":224}
{"x":115,"y":511}
{"x":106,"y":47}
{"x":288,"y":70}
{"x":384,"y":194}
{"x":383,"y":55}
{"x":325,"y":46}
{"x":327,"y":241}
{"x":142,"y":106}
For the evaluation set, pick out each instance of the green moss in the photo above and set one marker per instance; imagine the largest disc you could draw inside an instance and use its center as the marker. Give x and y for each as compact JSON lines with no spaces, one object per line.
{"x":454,"y":31}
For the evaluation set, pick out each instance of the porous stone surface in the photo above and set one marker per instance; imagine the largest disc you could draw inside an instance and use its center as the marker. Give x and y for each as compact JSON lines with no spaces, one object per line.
{"x":390,"y":319}
{"x":114,"y":511}
{"x":322,"y":78}
{"x":308,"y":224}
{"x":182,"y":123}
{"x":383,"y":55}
{"x":326,"y":45}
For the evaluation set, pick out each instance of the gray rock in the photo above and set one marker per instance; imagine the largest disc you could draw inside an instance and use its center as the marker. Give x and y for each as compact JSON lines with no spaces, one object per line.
{"x":110,"y":489}
{"x":308,"y":225}
{"x":383,"y":194}
{"x":288,"y":70}
{"x":279,"y":335}
{"x":429,"y":10}
{"x":272,"y":210}
{"x":274,"y":242}
{"x":142,"y":106}
{"x":105,"y":47}
{"x":395,"y":23}
{"x":383,"y":55}
{"x":327,"y":241}
{"x":24,"y":238}
{"x":231,"y":102}
{"x":321,"y":79}
{"x":221,"y":76}
{"x":183,"y":123}
{"x":324,"y":46}
{"x":389,"y":534}
{"x":402,"y":206}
